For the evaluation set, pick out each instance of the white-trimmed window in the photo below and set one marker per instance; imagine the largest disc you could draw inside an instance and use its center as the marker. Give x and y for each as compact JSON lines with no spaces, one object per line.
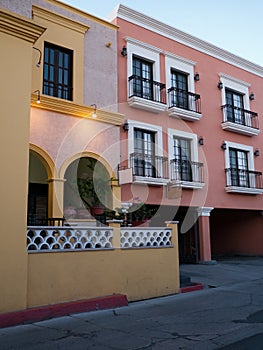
{"x":182,"y":100}
{"x":185,"y":170}
{"x":145,"y":149}
{"x":237,"y":116}
{"x":145,"y":91}
{"x":241,"y":176}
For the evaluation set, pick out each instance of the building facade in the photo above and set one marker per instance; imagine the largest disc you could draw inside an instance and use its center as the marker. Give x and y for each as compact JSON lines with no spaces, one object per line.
{"x":192,"y":138}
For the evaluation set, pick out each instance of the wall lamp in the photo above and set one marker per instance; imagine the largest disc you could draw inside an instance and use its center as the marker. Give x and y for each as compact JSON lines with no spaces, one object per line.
{"x":125,"y":126}
{"x":252,"y":96}
{"x":220,"y":85}
{"x":94,"y":114}
{"x":124,"y":51}
{"x":256,"y":153}
{"x":197,"y":77}
{"x":201,"y":141}
{"x":38,"y":95}
{"x":223,"y":146}
{"x":40,"y":56}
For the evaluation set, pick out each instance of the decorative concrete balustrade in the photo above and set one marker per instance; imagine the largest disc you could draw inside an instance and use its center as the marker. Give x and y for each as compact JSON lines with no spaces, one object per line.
{"x":48,"y":238}
{"x":135,"y":237}
{"x":59,"y":238}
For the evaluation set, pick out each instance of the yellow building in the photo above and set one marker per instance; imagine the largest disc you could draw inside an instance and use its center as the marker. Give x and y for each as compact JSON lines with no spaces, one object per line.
{"x":60,"y":126}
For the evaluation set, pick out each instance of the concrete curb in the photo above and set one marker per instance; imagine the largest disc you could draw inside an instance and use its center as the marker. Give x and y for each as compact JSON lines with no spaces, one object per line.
{"x":46,"y":312}
{"x":192,"y":288}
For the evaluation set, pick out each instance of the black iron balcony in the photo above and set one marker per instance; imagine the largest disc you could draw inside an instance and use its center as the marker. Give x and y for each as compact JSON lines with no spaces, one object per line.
{"x":240,"y":116}
{"x":147,"y":89}
{"x":184,"y":99}
{"x":149,"y":165}
{"x":244,"y":178}
{"x":185,"y":170}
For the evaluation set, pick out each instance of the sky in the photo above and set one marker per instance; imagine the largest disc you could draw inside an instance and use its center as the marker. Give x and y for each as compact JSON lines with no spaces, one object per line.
{"x":233,"y":25}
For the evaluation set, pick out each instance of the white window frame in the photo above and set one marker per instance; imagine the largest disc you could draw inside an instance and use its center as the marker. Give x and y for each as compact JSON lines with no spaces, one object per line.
{"x":251,"y":166}
{"x":134,"y":124}
{"x":172,"y":134}
{"x":237,"y":85}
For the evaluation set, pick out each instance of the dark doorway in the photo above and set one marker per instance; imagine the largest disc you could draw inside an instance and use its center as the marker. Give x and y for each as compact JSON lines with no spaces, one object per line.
{"x":188,"y":241}
{"x":37,"y":204}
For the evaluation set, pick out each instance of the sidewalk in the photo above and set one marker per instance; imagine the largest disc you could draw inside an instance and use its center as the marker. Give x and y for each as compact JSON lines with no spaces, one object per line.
{"x":227,"y":271}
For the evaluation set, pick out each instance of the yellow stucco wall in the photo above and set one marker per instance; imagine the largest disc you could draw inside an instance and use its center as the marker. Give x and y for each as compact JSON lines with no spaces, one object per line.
{"x":15,"y":92}
{"x":138,"y":273}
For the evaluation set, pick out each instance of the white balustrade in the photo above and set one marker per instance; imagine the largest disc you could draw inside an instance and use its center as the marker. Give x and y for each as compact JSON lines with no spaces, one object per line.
{"x":59,"y":238}
{"x":134,"y":237}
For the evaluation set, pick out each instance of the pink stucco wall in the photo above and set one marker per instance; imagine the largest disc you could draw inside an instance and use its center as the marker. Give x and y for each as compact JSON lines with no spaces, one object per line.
{"x":209,"y":127}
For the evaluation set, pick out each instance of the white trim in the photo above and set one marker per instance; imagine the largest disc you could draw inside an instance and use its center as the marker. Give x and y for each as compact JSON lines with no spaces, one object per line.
{"x":243,"y":190}
{"x":180,"y":113}
{"x":236,"y":85}
{"x":172,"y":133}
{"x":204,"y":211}
{"x":168,"y":31}
{"x":180,"y":64}
{"x":145,"y":52}
{"x":187,"y":184}
{"x":149,"y":127}
{"x":240,"y":147}
{"x":146,"y":105}
{"x":240,"y":129}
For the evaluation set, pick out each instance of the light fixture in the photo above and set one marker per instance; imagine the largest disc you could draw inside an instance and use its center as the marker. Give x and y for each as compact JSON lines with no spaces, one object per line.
{"x":201,"y":141}
{"x":220,"y":85}
{"x":40,"y":56}
{"x":108,"y":44}
{"x":256,"y":153}
{"x":124,"y":51}
{"x":125,"y":126}
{"x":197,"y":77}
{"x":38,"y":96}
{"x":94,"y":114}
{"x":252,"y":96}
{"x":223,"y":146}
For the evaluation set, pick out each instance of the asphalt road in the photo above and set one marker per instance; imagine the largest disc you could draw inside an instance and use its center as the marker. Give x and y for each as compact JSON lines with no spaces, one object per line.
{"x":228,"y":315}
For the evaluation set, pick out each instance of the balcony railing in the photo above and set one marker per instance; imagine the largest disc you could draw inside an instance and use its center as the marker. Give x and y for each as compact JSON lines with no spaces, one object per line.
{"x":244,"y":178}
{"x":240,"y":116}
{"x":147,"y":89}
{"x":185,"y":170}
{"x":184,"y":99}
{"x":149,"y":165}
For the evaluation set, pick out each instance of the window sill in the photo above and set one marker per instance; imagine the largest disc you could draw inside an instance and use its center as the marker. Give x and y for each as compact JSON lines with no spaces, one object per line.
{"x":147,"y":105}
{"x":184,"y":114}
{"x":154,"y":181}
{"x":240,"y":129}
{"x":187,"y":184}
{"x":243,"y":190}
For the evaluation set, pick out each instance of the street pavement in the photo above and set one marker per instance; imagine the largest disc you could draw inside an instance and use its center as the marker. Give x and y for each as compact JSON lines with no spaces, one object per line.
{"x":227,"y":314}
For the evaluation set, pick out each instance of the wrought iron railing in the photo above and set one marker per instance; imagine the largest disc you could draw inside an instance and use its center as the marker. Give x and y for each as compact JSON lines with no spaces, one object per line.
{"x":244,"y":178}
{"x":184,"y":99}
{"x":240,"y":116}
{"x":149,"y":165}
{"x":147,"y":89}
{"x":185,"y":170}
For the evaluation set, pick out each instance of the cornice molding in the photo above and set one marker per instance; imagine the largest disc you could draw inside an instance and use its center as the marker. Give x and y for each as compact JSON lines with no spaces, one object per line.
{"x":39,"y":12}
{"x":20,"y":27}
{"x":179,"y":58}
{"x":81,"y":111}
{"x":170,"y":32}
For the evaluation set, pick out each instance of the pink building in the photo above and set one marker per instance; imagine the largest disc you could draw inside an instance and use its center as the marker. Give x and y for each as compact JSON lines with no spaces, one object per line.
{"x":192,"y":141}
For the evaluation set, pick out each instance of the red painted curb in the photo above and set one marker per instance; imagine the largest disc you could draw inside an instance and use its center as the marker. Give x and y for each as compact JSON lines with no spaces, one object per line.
{"x":50,"y":311}
{"x":192,"y":288}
